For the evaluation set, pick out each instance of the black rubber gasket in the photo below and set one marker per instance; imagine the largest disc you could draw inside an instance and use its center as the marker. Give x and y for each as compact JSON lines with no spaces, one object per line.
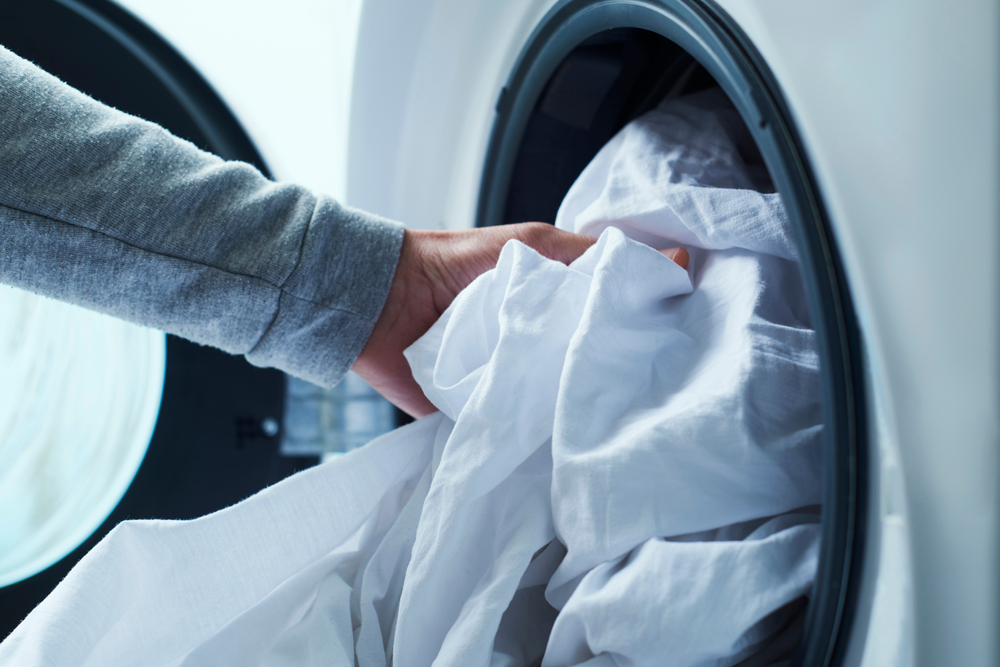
{"x":712,"y":38}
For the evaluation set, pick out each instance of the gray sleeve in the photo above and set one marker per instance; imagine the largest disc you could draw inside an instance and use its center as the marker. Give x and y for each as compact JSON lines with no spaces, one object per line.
{"x":113,"y":213}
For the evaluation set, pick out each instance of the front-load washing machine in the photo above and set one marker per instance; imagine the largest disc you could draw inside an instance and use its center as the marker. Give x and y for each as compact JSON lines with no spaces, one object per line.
{"x":878,"y":123}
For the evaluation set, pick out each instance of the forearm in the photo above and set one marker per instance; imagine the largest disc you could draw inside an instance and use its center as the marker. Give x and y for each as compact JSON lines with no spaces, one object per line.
{"x":110,"y":212}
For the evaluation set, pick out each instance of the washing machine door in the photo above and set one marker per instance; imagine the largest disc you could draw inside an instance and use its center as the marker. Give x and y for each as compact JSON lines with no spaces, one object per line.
{"x":215,"y":437}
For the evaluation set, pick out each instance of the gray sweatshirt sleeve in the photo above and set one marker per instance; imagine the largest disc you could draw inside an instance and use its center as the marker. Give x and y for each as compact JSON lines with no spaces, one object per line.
{"x":113,"y":213}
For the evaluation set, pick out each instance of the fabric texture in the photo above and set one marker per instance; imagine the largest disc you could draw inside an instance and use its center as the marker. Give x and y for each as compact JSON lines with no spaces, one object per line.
{"x":624,"y":470}
{"x":113,"y":213}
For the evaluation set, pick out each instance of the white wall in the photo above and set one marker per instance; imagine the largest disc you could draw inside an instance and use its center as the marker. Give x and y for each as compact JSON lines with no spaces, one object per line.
{"x":283,"y":68}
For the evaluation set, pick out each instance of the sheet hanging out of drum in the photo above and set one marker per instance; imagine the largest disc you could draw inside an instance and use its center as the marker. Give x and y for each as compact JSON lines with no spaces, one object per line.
{"x":625,"y":468}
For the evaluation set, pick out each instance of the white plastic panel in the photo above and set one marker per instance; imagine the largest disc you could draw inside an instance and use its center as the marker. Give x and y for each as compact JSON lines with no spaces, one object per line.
{"x":898,"y":104}
{"x":427,"y":82}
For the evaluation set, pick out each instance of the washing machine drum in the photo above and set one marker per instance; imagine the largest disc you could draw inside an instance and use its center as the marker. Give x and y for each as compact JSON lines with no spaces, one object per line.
{"x":208,"y":449}
{"x":590,"y":68}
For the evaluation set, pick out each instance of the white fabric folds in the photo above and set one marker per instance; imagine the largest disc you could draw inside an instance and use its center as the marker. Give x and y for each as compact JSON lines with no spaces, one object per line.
{"x":624,"y":471}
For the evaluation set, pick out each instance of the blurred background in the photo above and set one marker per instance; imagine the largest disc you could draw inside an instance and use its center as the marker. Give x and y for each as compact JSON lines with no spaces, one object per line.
{"x":102,"y":420}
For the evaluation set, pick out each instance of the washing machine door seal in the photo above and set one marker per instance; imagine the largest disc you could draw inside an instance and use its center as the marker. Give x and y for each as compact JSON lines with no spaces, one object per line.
{"x":708,"y":35}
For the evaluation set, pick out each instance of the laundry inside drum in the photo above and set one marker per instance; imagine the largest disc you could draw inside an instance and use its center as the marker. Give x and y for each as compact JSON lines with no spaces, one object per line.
{"x":630,"y":132}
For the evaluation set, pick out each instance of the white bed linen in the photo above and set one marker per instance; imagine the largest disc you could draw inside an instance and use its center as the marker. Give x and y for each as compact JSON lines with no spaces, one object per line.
{"x":662,"y":424}
{"x":718,"y":426}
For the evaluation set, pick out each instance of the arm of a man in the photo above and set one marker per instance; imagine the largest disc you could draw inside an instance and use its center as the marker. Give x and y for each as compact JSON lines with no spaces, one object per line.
{"x":111,"y":212}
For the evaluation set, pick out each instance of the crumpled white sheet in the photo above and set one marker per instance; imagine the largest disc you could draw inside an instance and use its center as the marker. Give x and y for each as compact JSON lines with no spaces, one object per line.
{"x":662,"y":424}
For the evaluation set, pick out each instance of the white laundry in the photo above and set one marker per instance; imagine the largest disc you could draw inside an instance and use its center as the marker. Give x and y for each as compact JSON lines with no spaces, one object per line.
{"x":624,"y":470}
{"x":717,"y":426}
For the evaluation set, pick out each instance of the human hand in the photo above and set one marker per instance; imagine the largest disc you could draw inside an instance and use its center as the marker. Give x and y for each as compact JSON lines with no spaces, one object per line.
{"x":433,"y":268}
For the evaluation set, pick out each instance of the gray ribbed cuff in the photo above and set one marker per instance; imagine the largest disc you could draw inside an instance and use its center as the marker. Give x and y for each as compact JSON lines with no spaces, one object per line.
{"x":330,"y":302}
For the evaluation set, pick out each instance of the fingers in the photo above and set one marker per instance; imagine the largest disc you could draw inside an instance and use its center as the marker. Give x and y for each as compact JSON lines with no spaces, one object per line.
{"x":553,"y":243}
{"x":433,"y":268}
{"x":556,"y":244}
{"x":679,"y":256}
{"x":565,"y":246}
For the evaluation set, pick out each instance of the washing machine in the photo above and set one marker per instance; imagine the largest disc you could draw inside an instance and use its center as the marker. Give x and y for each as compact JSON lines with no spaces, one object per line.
{"x":878,"y":123}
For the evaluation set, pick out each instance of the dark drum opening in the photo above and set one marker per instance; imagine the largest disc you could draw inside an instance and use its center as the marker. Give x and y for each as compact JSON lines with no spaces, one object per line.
{"x":593,"y":66}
